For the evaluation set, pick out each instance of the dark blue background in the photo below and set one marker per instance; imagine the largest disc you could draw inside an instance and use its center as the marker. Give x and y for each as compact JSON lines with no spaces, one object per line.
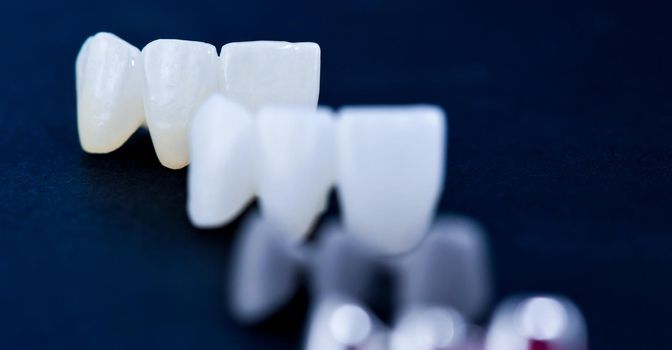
{"x":560,"y":143}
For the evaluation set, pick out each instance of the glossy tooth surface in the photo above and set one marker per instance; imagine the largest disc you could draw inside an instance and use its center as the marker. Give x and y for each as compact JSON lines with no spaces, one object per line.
{"x":390,"y":172}
{"x":221,"y":175}
{"x":265,"y":271}
{"x":342,"y":323}
{"x":109,"y":93}
{"x":295,"y":166}
{"x":264,"y":73}
{"x":178,"y":76}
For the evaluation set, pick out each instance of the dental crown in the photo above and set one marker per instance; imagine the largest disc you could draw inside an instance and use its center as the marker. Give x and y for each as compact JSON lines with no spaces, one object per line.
{"x":120,"y":87}
{"x":248,"y":122}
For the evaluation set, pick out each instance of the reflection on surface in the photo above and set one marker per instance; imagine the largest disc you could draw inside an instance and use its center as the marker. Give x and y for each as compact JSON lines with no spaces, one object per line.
{"x":340,"y":323}
{"x":542,"y":318}
{"x":428,"y":329}
{"x":537,"y":322}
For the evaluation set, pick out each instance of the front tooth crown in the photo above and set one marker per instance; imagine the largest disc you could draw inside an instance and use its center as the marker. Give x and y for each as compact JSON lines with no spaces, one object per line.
{"x":390,"y":176}
{"x":295,"y":166}
{"x":221,"y":174}
{"x":178,"y":76}
{"x":260,"y":73}
{"x":109,"y":93}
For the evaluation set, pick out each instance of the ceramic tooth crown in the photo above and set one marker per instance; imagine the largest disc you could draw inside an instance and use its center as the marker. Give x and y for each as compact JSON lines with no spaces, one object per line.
{"x":221,"y":174}
{"x":390,"y":172}
{"x":119,"y":88}
{"x":178,"y":76}
{"x":387,"y":161}
{"x":295,"y":166}
{"x":109,"y":93}
{"x":264,"y":73}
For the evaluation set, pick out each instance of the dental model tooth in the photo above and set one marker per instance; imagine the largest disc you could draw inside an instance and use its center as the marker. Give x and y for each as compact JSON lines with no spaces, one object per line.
{"x":221,"y":175}
{"x":390,"y":172}
{"x":178,"y":76}
{"x":295,"y":157}
{"x":265,"y":271}
{"x":261,"y":73}
{"x":109,"y":93}
{"x":448,"y":269}
{"x":343,"y":265}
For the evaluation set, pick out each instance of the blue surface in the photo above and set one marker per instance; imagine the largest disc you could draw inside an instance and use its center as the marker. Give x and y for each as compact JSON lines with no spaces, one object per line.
{"x":560,"y":143}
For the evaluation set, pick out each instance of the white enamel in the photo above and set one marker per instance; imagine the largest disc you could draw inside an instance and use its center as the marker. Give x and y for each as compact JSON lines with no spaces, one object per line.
{"x":295,"y":166}
{"x":221,"y":174}
{"x":178,"y":76}
{"x":109,"y":93}
{"x":390,"y":172}
{"x":264,"y":73}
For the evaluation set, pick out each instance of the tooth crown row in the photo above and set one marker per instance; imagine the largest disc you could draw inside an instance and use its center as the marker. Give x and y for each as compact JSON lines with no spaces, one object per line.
{"x":262,"y":133}
{"x":119,"y":87}
{"x":386,"y":161}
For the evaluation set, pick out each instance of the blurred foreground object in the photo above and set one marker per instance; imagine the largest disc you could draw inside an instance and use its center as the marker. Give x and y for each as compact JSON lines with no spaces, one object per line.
{"x":450,"y":268}
{"x":429,"y":328}
{"x":266,"y":270}
{"x":442,"y":285}
{"x":343,"y":276}
{"x":537,"y":323}
{"x":441,"y":288}
{"x":341,"y":323}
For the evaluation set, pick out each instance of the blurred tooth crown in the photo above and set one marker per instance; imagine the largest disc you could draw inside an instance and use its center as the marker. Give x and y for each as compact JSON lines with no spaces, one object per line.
{"x":221,"y":175}
{"x":390,"y":172}
{"x":295,"y":166}
{"x":386,"y":161}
